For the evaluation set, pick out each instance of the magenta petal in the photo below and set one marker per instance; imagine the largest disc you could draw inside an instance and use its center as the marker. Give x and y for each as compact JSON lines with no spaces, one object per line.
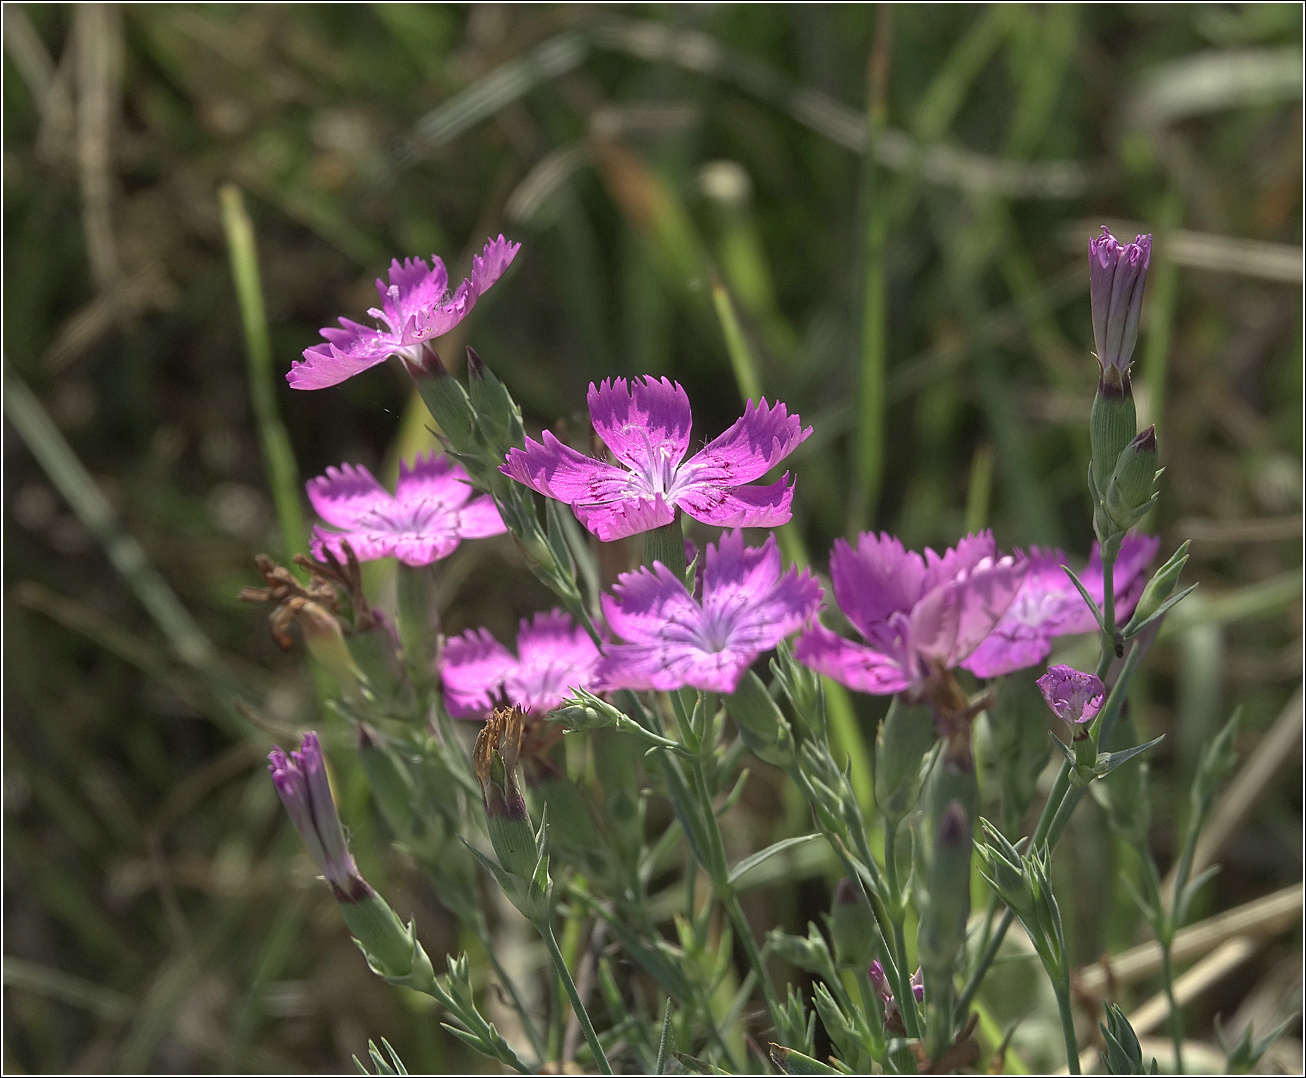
{"x":472,"y":669}
{"x":556,"y":656}
{"x":433,"y":478}
{"x":744,"y":588}
{"x":754,"y":444}
{"x":558,"y":471}
{"x":366,"y":545}
{"x":423,"y":548}
{"x":347,"y":496}
{"x":986,"y":593}
{"x":666,"y":666}
{"x":877,"y":579}
{"x":1002,"y":654}
{"x":492,"y":263}
{"x":854,"y":665}
{"x":969,"y":552}
{"x":952,"y":620}
{"x":414,"y":286}
{"x":753,"y":506}
{"x":617,"y":521}
{"x":347,"y":351}
{"x":647,"y":603}
{"x":480,"y":518}
{"x":611,"y":502}
{"x":645,"y":424}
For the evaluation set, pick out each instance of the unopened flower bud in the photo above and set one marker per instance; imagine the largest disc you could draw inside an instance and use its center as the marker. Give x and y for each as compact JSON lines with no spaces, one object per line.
{"x":495,"y":758}
{"x":302,"y":784}
{"x":1074,"y":697}
{"x":1159,"y":589}
{"x":497,"y":416}
{"x":905,"y":736}
{"x":1132,"y":484}
{"x":946,"y":896}
{"x":852,"y":925}
{"x":1117,"y":273}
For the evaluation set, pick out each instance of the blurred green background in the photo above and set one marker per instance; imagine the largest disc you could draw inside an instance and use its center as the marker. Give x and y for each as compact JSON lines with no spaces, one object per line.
{"x":894,"y":201}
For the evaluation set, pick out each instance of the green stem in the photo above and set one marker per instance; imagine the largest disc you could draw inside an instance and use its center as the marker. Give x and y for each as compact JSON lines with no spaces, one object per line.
{"x":667,"y":545}
{"x":418,"y":614}
{"x":745,"y":934}
{"x":1053,"y":820}
{"x":582,"y":1016}
{"x":902,"y":983}
{"x":1109,"y":550}
{"x":1062,"y":989}
{"x":1176,"y":1018}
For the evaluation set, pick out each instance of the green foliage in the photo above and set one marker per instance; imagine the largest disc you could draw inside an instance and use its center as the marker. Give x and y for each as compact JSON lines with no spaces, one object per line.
{"x":913,"y":288}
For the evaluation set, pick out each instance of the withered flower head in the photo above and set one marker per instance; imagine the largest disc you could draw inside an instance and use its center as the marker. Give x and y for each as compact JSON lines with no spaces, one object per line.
{"x":347,"y":577}
{"x":312,"y":604}
{"x":495,"y":758}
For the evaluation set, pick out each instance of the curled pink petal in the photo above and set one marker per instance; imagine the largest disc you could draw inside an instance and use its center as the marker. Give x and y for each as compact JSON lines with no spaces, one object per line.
{"x":645,"y":424}
{"x":752,"y":506}
{"x":1049,"y":605}
{"x":849,"y":663}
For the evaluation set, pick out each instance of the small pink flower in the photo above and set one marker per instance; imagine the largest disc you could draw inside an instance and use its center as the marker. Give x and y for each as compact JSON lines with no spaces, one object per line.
{"x":1049,"y":605}
{"x":917,"y":613}
{"x":430,"y":512}
{"x":747,"y":606}
{"x":415,"y":308}
{"x":646,"y":426}
{"x":553,"y":657}
{"x":1074,"y":697}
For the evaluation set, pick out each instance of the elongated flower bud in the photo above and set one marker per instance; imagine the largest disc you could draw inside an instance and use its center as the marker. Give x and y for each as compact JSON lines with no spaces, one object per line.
{"x":761,"y":723}
{"x":946,"y":899}
{"x":1117,"y":273}
{"x":302,"y":784}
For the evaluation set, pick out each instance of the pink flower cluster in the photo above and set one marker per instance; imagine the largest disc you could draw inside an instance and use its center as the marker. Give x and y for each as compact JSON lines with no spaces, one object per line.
{"x":917,"y":614}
